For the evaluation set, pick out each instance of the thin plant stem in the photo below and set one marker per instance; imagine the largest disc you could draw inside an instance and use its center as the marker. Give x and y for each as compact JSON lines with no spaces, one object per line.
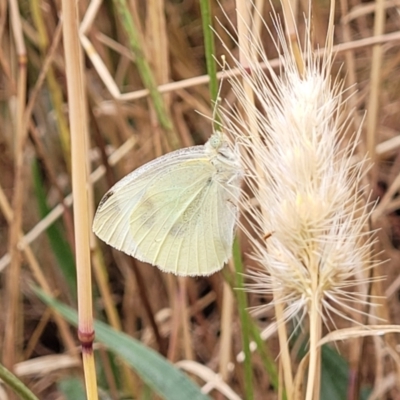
{"x":290,"y":14}
{"x":54,"y":89}
{"x":145,"y":71}
{"x":375,"y":87}
{"x":78,"y":128}
{"x":269,"y":364}
{"x":226,"y":330}
{"x":186,"y":340}
{"x":244,"y":319}
{"x":284,"y":350}
{"x":15,"y":384}
{"x":266,"y":358}
{"x":209,"y":48}
{"x":13,"y":331}
{"x":313,"y":370}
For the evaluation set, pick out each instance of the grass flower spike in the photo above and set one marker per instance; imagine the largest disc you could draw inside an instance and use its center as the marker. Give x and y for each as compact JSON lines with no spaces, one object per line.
{"x":305,"y":189}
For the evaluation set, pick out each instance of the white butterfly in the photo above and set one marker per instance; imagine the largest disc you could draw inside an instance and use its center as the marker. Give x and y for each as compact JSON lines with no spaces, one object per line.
{"x":177,"y":212}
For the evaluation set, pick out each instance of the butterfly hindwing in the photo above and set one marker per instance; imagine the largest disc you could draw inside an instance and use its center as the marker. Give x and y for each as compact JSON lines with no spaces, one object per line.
{"x":171,"y":225}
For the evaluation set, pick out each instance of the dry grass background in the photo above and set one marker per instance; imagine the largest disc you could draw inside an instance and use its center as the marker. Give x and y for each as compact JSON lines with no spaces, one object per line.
{"x":151,"y":306}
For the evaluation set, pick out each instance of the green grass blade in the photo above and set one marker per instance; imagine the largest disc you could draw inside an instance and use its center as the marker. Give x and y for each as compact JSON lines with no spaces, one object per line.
{"x":15,"y":384}
{"x":209,"y":48}
{"x":244,"y":319}
{"x":157,"y":372}
{"x":72,"y":389}
{"x":60,"y":246}
{"x":144,"y":69}
{"x":267,"y":359}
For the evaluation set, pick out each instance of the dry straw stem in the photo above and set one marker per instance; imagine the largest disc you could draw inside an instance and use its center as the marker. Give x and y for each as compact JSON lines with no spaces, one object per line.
{"x":54,"y":89}
{"x":226,"y":331}
{"x":13,"y":332}
{"x":307,"y":190}
{"x":79,"y":145}
{"x":375,"y":78}
{"x":213,"y":380}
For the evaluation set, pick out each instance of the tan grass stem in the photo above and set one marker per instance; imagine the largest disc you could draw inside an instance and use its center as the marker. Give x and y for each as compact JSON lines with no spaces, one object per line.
{"x":375,"y":78}
{"x":13,"y":320}
{"x":226,"y":330}
{"x":78,"y":128}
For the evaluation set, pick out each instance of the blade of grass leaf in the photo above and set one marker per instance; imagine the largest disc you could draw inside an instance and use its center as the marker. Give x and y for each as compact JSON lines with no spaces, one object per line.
{"x":209,"y":48}
{"x":266,"y":358}
{"x":72,"y":389}
{"x":163,"y":377}
{"x":14,"y":383}
{"x":60,"y":246}
{"x":145,"y":71}
{"x":244,"y":319}
{"x":335,"y":371}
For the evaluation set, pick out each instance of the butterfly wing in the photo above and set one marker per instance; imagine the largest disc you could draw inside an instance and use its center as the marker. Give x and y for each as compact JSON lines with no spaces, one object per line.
{"x":172,"y":213}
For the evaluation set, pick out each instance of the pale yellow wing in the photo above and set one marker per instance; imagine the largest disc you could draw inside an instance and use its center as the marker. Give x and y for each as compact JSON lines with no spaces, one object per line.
{"x":173,"y":212}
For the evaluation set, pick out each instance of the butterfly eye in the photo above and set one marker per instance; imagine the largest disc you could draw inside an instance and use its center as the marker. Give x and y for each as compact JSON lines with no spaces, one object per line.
{"x":216,"y":140}
{"x":225,"y":152}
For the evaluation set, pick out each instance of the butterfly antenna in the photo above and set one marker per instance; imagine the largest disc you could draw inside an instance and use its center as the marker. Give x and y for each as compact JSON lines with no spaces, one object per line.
{"x":216,"y":116}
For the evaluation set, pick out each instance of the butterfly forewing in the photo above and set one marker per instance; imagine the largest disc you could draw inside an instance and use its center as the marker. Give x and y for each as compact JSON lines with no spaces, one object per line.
{"x":111,"y":222}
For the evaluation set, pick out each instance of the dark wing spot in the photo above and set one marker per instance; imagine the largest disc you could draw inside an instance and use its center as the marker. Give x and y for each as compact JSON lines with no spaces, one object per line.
{"x":105,"y":198}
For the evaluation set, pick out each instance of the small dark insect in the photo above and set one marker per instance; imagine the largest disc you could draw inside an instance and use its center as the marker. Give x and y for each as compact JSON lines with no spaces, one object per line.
{"x":268,"y":235}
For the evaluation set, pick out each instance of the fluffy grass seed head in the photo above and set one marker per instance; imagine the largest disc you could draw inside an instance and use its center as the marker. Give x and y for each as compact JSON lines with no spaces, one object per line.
{"x":304,"y":186}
